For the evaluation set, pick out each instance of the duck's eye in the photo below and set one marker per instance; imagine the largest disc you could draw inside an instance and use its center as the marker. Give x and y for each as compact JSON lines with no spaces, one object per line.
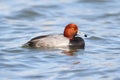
{"x":72,"y":28}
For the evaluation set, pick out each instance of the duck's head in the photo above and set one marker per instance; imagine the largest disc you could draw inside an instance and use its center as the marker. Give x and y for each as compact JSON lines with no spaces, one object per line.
{"x":71,"y":30}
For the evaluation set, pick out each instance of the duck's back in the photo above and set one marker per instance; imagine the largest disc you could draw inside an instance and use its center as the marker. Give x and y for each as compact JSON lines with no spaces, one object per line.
{"x":48,"y":41}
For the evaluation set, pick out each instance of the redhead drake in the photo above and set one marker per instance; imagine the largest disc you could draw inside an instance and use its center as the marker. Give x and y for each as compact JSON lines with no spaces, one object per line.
{"x":69,"y":38}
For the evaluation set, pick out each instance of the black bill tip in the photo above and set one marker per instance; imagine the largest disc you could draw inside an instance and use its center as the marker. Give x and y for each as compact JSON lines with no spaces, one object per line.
{"x":85,"y":35}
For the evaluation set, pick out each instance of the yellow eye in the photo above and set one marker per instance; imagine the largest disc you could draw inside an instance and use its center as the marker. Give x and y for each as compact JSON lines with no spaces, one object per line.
{"x":72,"y":28}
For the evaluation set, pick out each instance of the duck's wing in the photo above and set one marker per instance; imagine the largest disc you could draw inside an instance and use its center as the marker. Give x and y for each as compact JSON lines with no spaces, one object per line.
{"x":38,"y":37}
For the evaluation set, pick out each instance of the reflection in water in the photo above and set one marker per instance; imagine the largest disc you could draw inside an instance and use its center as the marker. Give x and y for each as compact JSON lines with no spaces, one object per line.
{"x":70,"y":51}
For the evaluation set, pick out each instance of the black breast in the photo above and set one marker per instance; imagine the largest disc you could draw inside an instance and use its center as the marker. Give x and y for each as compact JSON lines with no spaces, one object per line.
{"x":77,"y":42}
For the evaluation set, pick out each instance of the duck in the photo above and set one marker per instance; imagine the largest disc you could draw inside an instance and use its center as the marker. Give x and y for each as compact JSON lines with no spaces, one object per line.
{"x":69,"y":38}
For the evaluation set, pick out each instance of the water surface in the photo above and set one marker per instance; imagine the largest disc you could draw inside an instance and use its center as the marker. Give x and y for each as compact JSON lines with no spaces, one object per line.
{"x":24,"y":19}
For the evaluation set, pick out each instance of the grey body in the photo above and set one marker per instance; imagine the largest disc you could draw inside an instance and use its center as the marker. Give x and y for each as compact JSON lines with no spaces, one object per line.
{"x":55,"y":41}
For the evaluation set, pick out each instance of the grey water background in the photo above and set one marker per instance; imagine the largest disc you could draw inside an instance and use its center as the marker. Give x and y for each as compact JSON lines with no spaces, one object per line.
{"x":21,"y":20}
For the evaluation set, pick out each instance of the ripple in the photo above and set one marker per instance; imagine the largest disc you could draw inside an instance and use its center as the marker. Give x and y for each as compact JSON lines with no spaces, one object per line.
{"x":113,"y":14}
{"x":25,"y":14}
{"x":95,"y":38}
{"x":95,"y":1}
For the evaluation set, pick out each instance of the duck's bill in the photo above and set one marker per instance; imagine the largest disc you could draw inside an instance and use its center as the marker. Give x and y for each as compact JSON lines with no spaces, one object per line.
{"x":81,"y":34}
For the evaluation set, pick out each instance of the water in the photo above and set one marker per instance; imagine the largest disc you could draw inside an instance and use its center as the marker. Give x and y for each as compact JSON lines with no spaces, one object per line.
{"x":21,"y":20}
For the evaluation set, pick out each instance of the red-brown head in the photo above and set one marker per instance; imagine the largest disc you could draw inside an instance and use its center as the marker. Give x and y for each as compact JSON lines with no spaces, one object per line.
{"x":70,"y":31}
